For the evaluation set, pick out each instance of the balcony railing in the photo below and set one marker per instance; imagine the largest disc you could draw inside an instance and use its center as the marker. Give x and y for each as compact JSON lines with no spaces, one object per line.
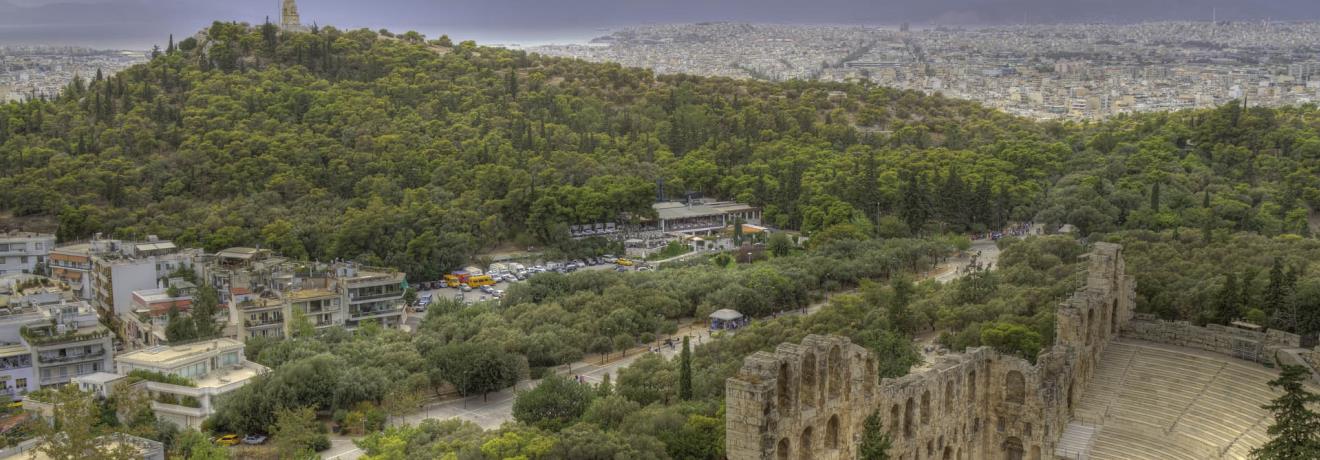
{"x":376,"y":312}
{"x":384,"y":295}
{"x":260,"y":323}
{"x":70,"y":358}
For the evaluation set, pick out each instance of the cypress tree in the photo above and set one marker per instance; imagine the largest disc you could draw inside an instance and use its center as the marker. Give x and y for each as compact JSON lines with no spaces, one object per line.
{"x":1155,"y":197}
{"x":875,"y":441}
{"x":1274,"y":291}
{"x":685,"y":371}
{"x":1295,"y":433}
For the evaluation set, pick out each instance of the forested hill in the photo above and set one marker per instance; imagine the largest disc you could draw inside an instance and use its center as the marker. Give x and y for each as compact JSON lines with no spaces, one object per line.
{"x":413,"y":153}
{"x":398,"y":150}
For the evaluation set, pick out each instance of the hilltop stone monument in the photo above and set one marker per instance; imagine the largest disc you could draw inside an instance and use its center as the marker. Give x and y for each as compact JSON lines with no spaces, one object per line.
{"x":289,"y":17}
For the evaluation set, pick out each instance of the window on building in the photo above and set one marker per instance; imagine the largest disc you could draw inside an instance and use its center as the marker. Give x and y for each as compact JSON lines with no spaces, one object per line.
{"x":21,"y":384}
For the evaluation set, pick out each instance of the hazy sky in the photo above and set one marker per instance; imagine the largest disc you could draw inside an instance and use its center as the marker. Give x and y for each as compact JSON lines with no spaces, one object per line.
{"x":121,"y":23}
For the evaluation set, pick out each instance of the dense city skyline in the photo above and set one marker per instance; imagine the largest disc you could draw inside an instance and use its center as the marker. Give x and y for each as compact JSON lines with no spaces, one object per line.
{"x":141,"y":23}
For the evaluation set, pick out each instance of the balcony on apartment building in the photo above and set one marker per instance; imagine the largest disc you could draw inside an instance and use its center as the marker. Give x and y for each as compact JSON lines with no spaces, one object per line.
{"x":55,"y":358}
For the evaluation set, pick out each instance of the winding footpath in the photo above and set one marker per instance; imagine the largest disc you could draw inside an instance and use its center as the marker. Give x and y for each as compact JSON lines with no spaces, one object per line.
{"x":497,"y":408}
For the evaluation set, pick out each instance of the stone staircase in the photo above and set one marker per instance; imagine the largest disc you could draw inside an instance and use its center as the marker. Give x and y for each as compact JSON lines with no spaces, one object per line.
{"x":1075,"y":443}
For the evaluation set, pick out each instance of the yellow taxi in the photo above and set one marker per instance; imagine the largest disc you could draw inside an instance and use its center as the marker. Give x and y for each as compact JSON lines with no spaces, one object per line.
{"x":624,"y":262}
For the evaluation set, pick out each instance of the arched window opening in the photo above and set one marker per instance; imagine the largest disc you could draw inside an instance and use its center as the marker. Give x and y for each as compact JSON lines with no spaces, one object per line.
{"x":909,"y":413}
{"x":832,"y":433}
{"x":1012,"y":449}
{"x":783,"y":451}
{"x":807,"y":391}
{"x":1015,"y":387}
{"x":835,"y":383}
{"x":925,"y":408}
{"x":785,"y":398}
{"x":948,"y":397}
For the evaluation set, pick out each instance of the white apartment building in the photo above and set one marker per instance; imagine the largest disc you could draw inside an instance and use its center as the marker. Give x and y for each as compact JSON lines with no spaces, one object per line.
{"x":214,"y":367}
{"x":48,"y":339}
{"x":24,"y":252}
{"x":119,"y":268}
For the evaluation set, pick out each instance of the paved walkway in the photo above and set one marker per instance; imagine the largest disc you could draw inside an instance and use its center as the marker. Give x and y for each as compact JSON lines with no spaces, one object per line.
{"x":496,"y":408}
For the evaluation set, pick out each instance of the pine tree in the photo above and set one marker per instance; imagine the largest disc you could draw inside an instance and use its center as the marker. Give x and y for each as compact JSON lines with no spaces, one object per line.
{"x":1295,"y":433}
{"x":875,"y":441}
{"x":685,"y":371}
{"x":513,"y":83}
{"x":1155,"y":197}
{"x":1207,"y":227}
{"x":169,"y":48}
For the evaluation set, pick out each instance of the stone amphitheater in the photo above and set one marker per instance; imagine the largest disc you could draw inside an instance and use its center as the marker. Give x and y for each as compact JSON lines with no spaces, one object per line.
{"x":1114,"y":385}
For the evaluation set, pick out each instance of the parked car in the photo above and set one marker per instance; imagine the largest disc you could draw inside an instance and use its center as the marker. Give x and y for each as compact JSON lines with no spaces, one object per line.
{"x":624,"y":262}
{"x":254,"y":439}
{"x":465,"y":288}
{"x":227,"y":440}
{"x":609,"y":259}
{"x":510,"y":277}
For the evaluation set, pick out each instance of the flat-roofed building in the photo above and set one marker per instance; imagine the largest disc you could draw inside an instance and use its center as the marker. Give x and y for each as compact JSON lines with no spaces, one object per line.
{"x":374,"y":294}
{"x":213,"y":367}
{"x":24,"y":252}
{"x":69,"y":342}
{"x":703,"y":217}
{"x":121,"y":267}
{"x":146,"y":448}
{"x":145,"y":325}
{"x":323,"y":306}
{"x":72,"y":264}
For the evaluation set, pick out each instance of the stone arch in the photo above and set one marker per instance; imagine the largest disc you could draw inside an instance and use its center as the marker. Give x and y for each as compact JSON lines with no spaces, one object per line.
{"x":1015,"y":387}
{"x":785,"y":396}
{"x":832,"y":433}
{"x":804,"y":445}
{"x":925,"y":407}
{"x":948,"y":397}
{"x":1035,"y":452}
{"x":971,"y":386}
{"x":784,"y":450}
{"x":807,"y":389}
{"x":1090,"y":321}
{"x":1013,"y":449}
{"x":948,"y":453}
{"x":835,"y":382}
{"x":909,"y":412}
{"x":895,"y":419}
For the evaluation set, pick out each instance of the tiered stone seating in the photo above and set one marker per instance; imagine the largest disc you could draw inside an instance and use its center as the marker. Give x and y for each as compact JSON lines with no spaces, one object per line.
{"x":1160,"y":402}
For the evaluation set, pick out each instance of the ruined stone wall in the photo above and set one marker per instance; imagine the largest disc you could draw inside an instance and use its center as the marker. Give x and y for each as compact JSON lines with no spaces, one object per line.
{"x":1239,"y":343}
{"x":810,"y":400}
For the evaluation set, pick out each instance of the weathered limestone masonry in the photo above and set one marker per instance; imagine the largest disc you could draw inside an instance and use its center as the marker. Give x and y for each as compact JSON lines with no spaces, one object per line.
{"x":1261,"y":347}
{"x":809,"y":400}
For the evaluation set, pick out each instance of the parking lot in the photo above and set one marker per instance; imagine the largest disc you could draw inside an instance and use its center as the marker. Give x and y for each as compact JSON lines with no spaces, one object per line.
{"x":475,"y":295}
